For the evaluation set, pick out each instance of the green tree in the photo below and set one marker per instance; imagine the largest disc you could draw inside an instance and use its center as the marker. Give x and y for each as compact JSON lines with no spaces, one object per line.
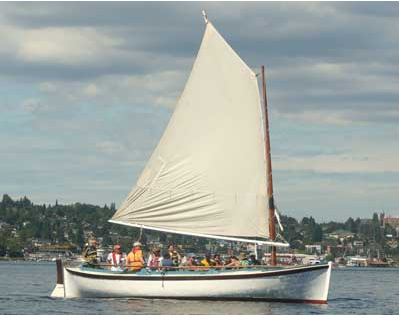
{"x":317,"y":233}
{"x":60,"y":235}
{"x":80,"y":239}
{"x":350,"y":225}
{"x":6,"y":201}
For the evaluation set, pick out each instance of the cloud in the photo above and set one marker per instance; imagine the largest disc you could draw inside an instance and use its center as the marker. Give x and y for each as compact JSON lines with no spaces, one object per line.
{"x":109,"y":147}
{"x":341,"y":163}
{"x":154,"y":89}
{"x":72,"y":46}
{"x":90,"y":86}
{"x":333,"y":60}
{"x":32,"y":105}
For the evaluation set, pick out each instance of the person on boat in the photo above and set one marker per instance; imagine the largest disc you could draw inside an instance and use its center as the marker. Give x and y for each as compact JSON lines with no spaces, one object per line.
{"x":234,"y":262}
{"x":183,"y":261}
{"x":166,"y":261}
{"x":174,"y":255}
{"x":155,"y":258}
{"x":216,"y":260}
{"x":206,"y":261}
{"x":116,"y":259}
{"x":243,"y":259}
{"x":253,"y":260}
{"x":135,"y":258}
{"x":90,"y":253}
{"x":264,"y":260}
{"x":191,"y":260}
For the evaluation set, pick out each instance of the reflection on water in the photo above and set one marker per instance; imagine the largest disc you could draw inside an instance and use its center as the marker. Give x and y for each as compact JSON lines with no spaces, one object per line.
{"x":156,"y":306}
{"x":25,"y":289}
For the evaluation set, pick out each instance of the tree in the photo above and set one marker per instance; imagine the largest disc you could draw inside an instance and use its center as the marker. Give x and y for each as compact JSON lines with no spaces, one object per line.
{"x":6,"y":201}
{"x":80,"y":239}
{"x":317,"y":233}
{"x":376,"y":228}
{"x":46,"y":232}
{"x":350,"y":225}
{"x":305,"y":221}
{"x":388,"y":229}
{"x":376,"y":220}
{"x":112,"y":207}
{"x":60,"y":235}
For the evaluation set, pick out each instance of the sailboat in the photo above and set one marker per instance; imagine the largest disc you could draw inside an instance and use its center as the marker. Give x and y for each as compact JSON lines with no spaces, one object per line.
{"x":210,"y":176}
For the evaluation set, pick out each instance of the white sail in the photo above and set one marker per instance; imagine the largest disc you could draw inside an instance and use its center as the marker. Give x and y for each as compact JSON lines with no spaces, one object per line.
{"x":207,"y":176}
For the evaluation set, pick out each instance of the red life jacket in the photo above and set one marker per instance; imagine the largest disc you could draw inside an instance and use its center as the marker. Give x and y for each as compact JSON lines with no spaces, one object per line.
{"x":154,"y":261}
{"x":114,"y":261}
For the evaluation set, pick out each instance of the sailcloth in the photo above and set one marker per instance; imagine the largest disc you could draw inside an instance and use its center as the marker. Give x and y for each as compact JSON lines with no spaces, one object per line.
{"x":207,"y":176}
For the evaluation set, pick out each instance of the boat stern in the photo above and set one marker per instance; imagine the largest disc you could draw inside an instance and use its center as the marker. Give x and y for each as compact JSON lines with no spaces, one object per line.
{"x":59,"y":290}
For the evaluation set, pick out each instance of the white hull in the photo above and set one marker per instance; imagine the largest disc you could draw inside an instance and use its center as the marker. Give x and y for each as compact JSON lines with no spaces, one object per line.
{"x":296,"y":284}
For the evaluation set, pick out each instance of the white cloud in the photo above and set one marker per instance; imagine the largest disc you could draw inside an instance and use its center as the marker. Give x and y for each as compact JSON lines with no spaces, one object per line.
{"x":341,"y":163}
{"x":317,"y":117}
{"x":153,"y":89}
{"x":91,"y":90}
{"x":33,"y":105}
{"x":47,"y":87}
{"x":109,"y":147}
{"x":64,"y":45}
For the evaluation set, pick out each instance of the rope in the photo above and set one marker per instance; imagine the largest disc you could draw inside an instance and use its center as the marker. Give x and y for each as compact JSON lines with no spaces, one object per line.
{"x":278,"y":235}
{"x":141,"y":234}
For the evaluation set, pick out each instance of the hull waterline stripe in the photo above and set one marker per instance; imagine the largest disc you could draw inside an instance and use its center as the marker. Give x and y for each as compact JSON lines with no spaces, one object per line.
{"x":241,"y":299}
{"x":194,"y":277}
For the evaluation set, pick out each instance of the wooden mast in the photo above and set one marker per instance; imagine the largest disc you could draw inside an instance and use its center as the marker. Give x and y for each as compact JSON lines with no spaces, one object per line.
{"x":269,"y":177}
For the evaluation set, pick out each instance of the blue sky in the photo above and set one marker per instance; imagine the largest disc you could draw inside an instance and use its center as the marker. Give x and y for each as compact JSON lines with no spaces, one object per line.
{"x":87,"y":90}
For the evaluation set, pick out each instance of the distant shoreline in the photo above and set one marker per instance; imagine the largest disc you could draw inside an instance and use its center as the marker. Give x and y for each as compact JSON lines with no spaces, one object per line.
{"x":11,"y":259}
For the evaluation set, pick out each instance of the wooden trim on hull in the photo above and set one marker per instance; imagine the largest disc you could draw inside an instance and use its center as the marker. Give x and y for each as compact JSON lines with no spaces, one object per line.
{"x":157,"y":277}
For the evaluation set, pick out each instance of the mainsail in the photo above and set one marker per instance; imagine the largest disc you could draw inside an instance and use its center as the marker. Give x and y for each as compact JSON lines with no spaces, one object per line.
{"x":207,"y":176}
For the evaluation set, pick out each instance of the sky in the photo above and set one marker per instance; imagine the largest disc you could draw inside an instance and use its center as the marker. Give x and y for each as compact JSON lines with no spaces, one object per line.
{"x":86,"y":90}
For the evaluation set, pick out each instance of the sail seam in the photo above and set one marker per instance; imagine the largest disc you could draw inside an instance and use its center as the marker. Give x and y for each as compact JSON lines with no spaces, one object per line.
{"x":166,"y":190}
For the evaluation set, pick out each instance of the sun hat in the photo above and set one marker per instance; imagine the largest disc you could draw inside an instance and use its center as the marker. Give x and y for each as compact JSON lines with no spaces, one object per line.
{"x":116,"y":247}
{"x":137,"y":244}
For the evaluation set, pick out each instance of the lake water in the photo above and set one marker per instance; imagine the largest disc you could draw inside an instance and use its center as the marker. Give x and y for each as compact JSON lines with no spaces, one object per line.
{"x":25,"y":289}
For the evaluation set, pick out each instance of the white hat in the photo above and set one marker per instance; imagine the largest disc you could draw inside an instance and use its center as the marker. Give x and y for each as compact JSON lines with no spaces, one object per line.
{"x":137,"y":244}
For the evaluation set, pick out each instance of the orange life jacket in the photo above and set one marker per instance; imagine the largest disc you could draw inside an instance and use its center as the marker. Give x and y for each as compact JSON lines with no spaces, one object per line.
{"x":134,"y":259}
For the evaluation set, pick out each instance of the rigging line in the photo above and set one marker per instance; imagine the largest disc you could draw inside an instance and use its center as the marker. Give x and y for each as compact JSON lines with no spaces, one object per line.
{"x":277,"y":215}
{"x":205,"y":16}
{"x":141,"y":233}
{"x":282,"y":238}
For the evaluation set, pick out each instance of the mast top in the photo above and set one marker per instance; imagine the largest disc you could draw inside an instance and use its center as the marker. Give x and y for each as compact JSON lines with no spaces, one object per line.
{"x":205,"y":17}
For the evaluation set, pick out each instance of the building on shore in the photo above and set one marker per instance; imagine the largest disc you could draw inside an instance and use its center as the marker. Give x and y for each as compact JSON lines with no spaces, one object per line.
{"x":313,"y":248}
{"x":356,"y":261}
{"x":392,"y":221}
{"x":50,"y":251}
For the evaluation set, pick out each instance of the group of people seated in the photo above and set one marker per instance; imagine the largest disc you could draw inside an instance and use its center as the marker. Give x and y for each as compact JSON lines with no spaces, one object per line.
{"x":117,"y":261}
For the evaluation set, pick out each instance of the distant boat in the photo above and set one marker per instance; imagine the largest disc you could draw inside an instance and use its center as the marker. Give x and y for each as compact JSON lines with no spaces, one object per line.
{"x":210,"y":176}
{"x":315,"y":261}
{"x":378,"y":263}
{"x":356,"y":261}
